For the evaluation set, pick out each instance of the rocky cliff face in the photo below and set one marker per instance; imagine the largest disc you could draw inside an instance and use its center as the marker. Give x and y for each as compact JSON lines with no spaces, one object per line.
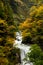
{"x":21,"y":7}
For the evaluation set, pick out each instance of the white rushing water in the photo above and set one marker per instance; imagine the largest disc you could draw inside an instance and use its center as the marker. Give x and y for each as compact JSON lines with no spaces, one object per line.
{"x":23,"y":48}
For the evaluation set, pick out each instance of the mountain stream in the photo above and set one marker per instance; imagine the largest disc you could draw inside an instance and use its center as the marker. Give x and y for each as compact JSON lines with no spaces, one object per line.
{"x":23,"y":48}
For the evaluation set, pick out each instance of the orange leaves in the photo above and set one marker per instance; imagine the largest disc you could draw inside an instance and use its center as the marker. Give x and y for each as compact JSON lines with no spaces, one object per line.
{"x":26,"y":24}
{"x":25,"y":27}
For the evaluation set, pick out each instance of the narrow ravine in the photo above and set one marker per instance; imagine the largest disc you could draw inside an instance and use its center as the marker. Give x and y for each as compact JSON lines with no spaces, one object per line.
{"x":23,"y":48}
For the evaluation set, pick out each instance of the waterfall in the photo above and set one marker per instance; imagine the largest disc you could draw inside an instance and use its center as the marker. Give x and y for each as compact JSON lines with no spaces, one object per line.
{"x":23,"y":48}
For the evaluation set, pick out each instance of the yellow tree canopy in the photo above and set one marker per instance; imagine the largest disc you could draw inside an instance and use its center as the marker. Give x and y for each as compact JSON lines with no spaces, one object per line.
{"x":32,"y":28}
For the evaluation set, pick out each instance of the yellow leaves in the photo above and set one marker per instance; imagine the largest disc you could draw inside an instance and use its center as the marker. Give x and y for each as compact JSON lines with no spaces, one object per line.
{"x":3,"y":26}
{"x":3,"y":22}
{"x":25,"y":27}
{"x":26,"y":24}
{"x":1,"y":39}
{"x":36,"y":11}
{"x":40,"y":9}
{"x":9,"y":40}
{"x":25,"y":34}
{"x":40,"y":24}
{"x":33,"y":28}
{"x":7,"y":33}
{"x":33,"y":10}
{"x":3,"y":61}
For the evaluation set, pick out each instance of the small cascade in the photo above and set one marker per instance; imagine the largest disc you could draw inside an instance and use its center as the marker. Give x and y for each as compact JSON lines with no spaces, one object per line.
{"x":23,"y":48}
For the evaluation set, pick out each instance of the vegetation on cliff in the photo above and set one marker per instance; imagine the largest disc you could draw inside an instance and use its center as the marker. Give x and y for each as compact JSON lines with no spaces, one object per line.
{"x":8,"y":54}
{"x":32,"y":33}
{"x":26,"y":16}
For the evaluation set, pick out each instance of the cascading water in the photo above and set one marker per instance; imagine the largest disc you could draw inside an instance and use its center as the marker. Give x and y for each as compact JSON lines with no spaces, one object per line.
{"x":23,"y":48}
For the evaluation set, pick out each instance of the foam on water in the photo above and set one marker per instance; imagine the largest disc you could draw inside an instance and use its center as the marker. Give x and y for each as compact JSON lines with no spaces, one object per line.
{"x":23,"y":48}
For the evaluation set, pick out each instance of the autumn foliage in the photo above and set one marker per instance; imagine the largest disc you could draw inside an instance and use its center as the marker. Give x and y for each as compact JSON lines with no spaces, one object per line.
{"x":8,"y":54}
{"x":32,"y":28}
{"x":32,"y":33}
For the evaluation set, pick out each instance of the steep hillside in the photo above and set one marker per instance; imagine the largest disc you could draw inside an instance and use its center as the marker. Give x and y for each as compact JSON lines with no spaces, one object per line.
{"x":21,"y":8}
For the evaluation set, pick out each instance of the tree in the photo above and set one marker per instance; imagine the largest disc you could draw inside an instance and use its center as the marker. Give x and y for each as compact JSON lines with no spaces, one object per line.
{"x":6,"y":44}
{"x":8,"y":54}
{"x":32,"y":28}
{"x":36,"y":55}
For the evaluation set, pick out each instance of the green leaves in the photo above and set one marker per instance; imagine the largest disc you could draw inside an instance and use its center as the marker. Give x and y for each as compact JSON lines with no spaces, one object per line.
{"x":36,"y":55}
{"x":7,"y":35}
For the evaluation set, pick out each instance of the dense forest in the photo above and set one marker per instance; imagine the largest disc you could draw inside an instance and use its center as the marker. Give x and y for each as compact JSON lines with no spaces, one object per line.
{"x":25,"y":16}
